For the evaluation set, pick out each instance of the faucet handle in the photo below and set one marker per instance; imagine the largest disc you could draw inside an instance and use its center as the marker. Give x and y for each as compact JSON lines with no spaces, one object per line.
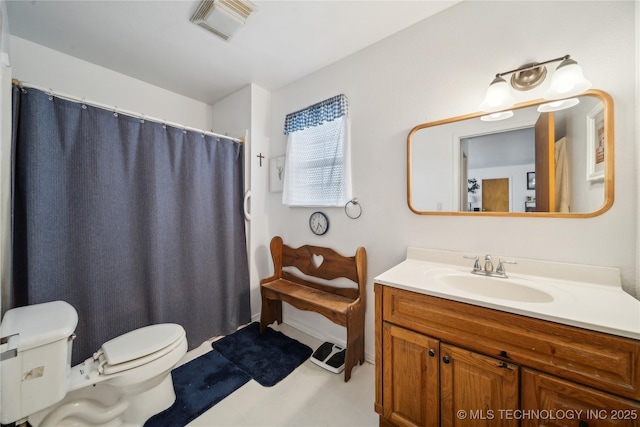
{"x":476,"y":264}
{"x":500,"y":269}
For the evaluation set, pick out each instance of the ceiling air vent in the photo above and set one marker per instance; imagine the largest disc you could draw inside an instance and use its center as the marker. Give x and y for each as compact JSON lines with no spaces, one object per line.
{"x":223,"y":17}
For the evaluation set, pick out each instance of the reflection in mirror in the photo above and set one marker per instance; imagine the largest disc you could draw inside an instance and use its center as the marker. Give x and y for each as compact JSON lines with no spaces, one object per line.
{"x":535,"y":162}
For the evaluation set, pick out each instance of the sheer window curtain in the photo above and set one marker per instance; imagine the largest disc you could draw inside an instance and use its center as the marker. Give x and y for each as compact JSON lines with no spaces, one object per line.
{"x":318,"y":158}
{"x":130,"y":221}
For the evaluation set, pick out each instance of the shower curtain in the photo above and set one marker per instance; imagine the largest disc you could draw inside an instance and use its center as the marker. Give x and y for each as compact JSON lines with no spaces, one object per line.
{"x":132,"y":222}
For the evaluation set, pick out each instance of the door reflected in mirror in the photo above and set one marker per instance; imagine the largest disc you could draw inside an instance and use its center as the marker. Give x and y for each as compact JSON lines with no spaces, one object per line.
{"x":535,"y":162}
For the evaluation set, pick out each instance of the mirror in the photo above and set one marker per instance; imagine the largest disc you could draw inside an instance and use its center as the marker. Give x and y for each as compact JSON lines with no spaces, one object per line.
{"x":536,"y":162}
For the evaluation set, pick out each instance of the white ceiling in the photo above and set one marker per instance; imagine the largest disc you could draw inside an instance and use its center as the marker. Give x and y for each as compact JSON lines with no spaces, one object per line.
{"x":154,"y":40}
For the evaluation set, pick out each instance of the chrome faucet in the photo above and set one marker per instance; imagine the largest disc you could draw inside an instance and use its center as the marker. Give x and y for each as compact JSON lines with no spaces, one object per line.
{"x":487,"y":269}
{"x":488,"y":265}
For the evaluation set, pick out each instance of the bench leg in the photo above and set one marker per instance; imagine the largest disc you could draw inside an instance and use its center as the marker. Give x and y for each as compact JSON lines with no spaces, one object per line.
{"x":355,"y":342}
{"x":271,"y":312}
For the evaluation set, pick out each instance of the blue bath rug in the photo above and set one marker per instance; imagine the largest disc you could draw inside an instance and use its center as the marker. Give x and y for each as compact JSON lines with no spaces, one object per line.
{"x":268,"y":357}
{"x":199,"y":384}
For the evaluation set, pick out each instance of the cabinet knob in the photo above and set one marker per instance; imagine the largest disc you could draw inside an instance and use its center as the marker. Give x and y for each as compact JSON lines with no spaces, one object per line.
{"x":432,"y":352}
{"x":446,"y":359}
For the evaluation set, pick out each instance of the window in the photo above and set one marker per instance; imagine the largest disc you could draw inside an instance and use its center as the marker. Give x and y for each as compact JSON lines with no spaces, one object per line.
{"x":318,"y":162}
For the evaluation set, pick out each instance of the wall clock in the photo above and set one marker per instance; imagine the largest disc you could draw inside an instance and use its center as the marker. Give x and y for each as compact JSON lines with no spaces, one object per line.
{"x":319,"y":223}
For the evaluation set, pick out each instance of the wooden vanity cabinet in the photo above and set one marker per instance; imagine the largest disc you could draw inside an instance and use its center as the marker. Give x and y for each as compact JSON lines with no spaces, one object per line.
{"x":435,"y":357}
{"x":431,"y":381}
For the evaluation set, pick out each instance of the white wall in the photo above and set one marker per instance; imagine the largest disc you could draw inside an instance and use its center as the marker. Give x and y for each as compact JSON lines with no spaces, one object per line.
{"x":5,"y":159}
{"x":232,"y":115}
{"x":637,"y":149}
{"x":5,"y":185}
{"x":260,"y":257}
{"x":248,"y":109}
{"x":40,"y":66}
{"x":441,"y":68}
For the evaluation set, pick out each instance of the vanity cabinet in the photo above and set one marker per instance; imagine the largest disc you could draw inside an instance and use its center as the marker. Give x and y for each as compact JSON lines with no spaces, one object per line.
{"x":435,"y":357}
{"x":431,"y":381}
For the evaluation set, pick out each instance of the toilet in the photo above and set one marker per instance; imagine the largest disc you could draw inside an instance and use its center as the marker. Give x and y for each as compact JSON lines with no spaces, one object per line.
{"x":127,"y":381}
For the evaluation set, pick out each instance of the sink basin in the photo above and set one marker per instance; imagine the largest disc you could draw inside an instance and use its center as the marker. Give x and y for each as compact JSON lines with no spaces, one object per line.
{"x":494,"y":287}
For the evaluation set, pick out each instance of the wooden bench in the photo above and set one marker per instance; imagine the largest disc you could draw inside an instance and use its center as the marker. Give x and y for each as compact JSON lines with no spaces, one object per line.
{"x":342,"y":305}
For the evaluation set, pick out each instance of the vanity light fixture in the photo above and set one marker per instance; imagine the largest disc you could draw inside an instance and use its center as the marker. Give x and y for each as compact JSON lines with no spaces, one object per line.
{"x":567,"y":81}
{"x":498,"y":96}
{"x":558,"y":105}
{"x":494,"y":117}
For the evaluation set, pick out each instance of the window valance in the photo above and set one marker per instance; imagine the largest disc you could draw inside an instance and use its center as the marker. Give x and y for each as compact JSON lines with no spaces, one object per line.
{"x":317,"y":114}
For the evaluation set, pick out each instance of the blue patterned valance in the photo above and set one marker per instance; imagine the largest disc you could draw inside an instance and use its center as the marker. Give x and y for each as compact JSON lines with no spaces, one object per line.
{"x":317,"y":114}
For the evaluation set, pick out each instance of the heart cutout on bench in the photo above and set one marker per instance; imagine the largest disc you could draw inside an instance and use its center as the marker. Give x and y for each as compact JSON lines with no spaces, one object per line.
{"x":317,"y":260}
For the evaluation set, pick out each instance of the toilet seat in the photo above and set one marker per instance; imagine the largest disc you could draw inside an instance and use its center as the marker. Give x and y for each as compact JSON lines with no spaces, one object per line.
{"x":138,"y":347}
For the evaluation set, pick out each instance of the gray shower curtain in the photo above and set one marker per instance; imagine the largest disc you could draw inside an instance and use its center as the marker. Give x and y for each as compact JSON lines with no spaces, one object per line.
{"x":130,"y":221}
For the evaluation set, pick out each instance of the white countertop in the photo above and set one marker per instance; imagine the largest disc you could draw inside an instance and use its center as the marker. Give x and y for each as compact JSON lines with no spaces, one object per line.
{"x":588,"y":297}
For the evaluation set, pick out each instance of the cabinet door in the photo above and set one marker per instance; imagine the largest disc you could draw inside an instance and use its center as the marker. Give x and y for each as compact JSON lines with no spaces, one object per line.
{"x":410,"y":370}
{"x":552,"y":402}
{"x":476,"y":390}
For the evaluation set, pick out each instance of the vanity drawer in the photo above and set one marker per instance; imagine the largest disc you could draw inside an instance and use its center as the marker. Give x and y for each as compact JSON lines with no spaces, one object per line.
{"x":572,"y":404}
{"x":603,"y":361}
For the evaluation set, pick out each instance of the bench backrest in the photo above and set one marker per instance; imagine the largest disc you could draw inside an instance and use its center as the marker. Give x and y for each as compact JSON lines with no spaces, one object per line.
{"x":324,"y":263}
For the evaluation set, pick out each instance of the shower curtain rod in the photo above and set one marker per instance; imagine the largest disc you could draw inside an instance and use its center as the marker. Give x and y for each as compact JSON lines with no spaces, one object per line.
{"x":120,"y":111}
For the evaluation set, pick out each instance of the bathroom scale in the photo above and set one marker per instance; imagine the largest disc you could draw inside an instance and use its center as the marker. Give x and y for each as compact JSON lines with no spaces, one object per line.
{"x":330,"y":357}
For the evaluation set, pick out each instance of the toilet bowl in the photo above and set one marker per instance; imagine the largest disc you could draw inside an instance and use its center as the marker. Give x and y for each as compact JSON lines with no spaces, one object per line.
{"x":124,"y":383}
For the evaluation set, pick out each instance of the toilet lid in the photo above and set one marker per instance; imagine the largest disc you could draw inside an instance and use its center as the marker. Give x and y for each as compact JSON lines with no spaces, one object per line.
{"x":141,"y":346}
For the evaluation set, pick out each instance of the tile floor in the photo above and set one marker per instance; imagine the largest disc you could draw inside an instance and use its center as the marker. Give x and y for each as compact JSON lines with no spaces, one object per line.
{"x":308,"y":397}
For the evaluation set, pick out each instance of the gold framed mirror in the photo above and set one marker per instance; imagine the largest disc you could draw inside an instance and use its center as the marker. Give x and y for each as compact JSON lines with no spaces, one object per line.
{"x":546,"y":159}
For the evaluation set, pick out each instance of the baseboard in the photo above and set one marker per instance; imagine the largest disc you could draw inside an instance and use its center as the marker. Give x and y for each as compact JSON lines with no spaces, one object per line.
{"x":322,"y":336}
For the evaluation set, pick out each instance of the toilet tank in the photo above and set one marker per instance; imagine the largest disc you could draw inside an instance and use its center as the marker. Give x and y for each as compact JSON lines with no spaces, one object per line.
{"x":35,"y":357}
